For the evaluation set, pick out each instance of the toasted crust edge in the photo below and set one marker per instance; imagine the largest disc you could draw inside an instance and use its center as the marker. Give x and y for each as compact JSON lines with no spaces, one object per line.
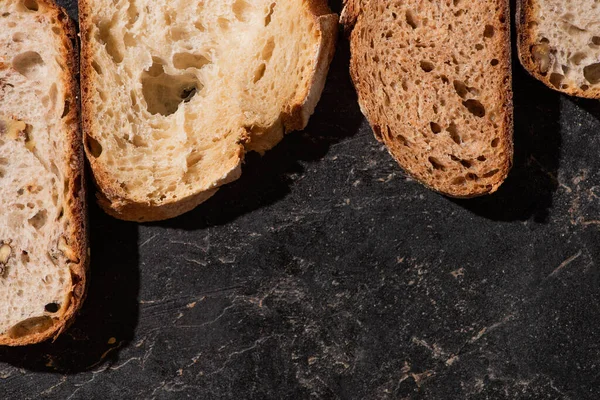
{"x":525,"y":12}
{"x":351,"y":16}
{"x":78,"y":213}
{"x":294,"y":117}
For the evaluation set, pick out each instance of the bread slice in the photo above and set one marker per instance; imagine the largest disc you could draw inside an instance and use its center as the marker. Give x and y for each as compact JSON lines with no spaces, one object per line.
{"x":559,"y":44}
{"x":43,"y":244}
{"x":175,"y":93}
{"x":434,"y":80}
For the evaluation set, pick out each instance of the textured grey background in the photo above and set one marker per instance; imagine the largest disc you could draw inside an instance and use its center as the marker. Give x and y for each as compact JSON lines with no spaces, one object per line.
{"x":325,"y":273}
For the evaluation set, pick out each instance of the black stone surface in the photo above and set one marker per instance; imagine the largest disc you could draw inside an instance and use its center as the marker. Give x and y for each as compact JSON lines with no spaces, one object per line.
{"x":325,"y":273}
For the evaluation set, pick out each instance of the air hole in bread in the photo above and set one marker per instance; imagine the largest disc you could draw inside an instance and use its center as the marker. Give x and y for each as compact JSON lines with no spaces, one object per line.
{"x":556,"y":79}
{"x":31,"y":5}
{"x":488,"y":32}
{"x":223,"y":24}
{"x":465,"y":163}
{"x":163,"y":92}
{"x":596,"y":40}
{"x":188,"y":60}
{"x":494,"y":62}
{"x":472,"y":177}
{"x":25,"y":257}
{"x":426,"y":66}
{"x":584,"y":87}
{"x":478,"y":47}
{"x":495,"y":142}
{"x":66,"y":108}
{"x":52,"y":308}
{"x":491,"y":173}
{"x":18,"y":37}
{"x":475,"y":107}
{"x":241,"y":10}
{"x":435,"y":128}
{"x":592,"y":73}
{"x":453,"y":132}
{"x":436,"y":164}
{"x":481,"y":158}
{"x":29,"y":64}
{"x":39,"y":219}
{"x":459,"y":181}
{"x":267,"y":51}
{"x":30,"y":326}
{"x":94,"y":147}
{"x":269,"y":14}
{"x":460,"y":88}
{"x":410,"y":19}
{"x":260,"y":72}
{"x":97,"y":67}
{"x":111,"y":43}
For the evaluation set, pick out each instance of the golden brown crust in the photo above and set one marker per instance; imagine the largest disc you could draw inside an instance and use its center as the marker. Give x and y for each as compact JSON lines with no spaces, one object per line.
{"x":75,"y":209}
{"x":116,"y":202}
{"x":526,"y":39}
{"x":351,"y":17}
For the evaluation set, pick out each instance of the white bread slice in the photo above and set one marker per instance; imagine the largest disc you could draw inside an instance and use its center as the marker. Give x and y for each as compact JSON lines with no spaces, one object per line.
{"x":559,"y":44}
{"x":175,"y":92}
{"x":43,"y":243}
{"x":434,"y":80}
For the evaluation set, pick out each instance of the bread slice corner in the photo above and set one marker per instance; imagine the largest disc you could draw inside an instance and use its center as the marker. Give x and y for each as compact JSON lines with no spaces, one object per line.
{"x":558,"y":44}
{"x":43,"y":238}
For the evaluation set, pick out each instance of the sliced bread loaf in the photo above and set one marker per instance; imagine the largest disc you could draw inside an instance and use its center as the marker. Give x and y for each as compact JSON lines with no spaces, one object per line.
{"x":43,"y":250}
{"x":175,"y":92}
{"x":559,"y":44}
{"x":434,"y":80}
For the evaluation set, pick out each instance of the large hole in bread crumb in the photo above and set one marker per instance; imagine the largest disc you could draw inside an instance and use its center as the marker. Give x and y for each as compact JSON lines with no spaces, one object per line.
{"x":39,"y":220}
{"x":453,"y":132}
{"x":475,"y":107}
{"x":488,"y":32}
{"x":52,"y":308}
{"x":269,"y":14}
{"x":31,"y":5}
{"x":260,"y":72}
{"x":436,"y":164}
{"x":30,"y":326}
{"x":267,"y":51}
{"x":188,"y":60}
{"x":410,"y":19}
{"x":241,"y":10}
{"x":164,"y":93}
{"x":112,"y":45}
{"x":592,"y":73}
{"x":29,"y":64}
{"x":94,"y":147}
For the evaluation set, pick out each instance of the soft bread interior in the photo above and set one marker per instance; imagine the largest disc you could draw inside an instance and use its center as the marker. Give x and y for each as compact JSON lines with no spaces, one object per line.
{"x":566,"y":45}
{"x":35,"y":279}
{"x":179,"y":90}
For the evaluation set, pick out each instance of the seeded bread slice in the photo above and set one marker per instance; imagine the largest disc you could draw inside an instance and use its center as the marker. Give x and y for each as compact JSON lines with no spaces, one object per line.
{"x":434,"y":81}
{"x":174,"y":93}
{"x":43,"y":243}
{"x":559,"y":44}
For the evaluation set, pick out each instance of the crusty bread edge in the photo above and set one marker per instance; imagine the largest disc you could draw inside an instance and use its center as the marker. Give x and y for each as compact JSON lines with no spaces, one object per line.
{"x":115,"y":202}
{"x":349,"y":17}
{"x":77,"y":211}
{"x":526,"y":38}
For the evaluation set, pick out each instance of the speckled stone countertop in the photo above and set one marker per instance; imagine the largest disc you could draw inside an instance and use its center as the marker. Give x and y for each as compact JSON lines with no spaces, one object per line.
{"x":326,"y":273}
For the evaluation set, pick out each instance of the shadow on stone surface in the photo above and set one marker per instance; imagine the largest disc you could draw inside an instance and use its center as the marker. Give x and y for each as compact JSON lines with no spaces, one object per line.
{"x":268,"y":178}
{"x":529,"y":188}
{"x":107,"y":321}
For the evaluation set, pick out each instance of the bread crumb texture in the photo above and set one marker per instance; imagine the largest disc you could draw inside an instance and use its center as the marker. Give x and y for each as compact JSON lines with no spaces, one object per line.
{"x":35,"y":205}
{"x":433,"y":79}
{"x":175,"y":92}
{"x":564,"y":44}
